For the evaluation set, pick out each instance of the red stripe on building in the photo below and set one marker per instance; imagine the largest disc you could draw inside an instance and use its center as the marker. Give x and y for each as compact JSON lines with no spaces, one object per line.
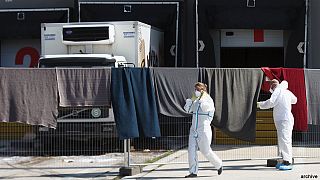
{"x":258,"y":35}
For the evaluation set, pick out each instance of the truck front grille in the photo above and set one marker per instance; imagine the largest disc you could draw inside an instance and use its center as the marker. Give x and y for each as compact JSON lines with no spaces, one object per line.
{"x":83,"y":112}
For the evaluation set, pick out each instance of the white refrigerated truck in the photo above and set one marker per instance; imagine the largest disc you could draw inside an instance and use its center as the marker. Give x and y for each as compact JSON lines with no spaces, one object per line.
{"x":90,"y":44}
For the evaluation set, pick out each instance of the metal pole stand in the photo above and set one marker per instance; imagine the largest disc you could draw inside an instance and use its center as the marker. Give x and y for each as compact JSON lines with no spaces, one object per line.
{"x":128,"y":170}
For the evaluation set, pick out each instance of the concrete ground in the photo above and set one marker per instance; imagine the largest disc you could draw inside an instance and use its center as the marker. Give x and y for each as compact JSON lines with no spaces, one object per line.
{"x":233,"y":170}
{"x":240,"y":162}
{"x":42,"y":168}
{"x":173,"y":166}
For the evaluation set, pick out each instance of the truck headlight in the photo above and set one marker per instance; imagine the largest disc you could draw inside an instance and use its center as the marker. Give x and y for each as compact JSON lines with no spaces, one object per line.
{"x":96,"y":112}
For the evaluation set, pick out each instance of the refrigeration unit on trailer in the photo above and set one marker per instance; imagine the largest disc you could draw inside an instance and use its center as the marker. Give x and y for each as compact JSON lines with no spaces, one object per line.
{"x":139,"y":43}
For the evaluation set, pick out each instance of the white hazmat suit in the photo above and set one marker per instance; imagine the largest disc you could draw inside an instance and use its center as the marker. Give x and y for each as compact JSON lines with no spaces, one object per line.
{"x":281,"y":101}
{"x":200,"y":132}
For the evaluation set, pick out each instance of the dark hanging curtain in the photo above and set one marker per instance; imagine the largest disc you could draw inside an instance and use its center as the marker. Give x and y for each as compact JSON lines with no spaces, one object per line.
{"x":133,"y":102}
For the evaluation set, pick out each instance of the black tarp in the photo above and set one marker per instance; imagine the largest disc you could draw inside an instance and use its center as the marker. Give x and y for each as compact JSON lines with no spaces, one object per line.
{"x":133,"y":102}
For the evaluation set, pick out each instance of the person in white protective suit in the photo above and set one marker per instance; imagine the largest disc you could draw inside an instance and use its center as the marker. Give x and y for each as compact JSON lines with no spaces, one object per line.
{"x":202,"y":107}
{"x":281,"y":101}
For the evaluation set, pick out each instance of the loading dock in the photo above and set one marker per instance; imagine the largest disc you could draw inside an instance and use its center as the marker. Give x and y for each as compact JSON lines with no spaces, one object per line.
{"x":164,"y":15}
{"x":20,"y":35}
{"x":228,"y":29}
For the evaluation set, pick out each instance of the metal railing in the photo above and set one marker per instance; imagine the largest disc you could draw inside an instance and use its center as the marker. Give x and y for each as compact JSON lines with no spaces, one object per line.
{"x":30,"y":145}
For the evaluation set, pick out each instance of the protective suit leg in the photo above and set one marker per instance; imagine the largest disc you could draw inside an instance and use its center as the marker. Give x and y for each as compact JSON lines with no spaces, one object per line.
{"x":192,"y":154}
{"x":204,"y":142}
{"x":278,"y":138}
{"x":284,"y":131}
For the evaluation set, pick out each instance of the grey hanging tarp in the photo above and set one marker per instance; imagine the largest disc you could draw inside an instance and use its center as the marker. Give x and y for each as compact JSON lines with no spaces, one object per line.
{"x":173,"y":86}
{"x":235,"y":93}
{"x":29,"y":96}
{"x":84,"y":86}
{"x":312,"y":79}
{"x":134,"y":103}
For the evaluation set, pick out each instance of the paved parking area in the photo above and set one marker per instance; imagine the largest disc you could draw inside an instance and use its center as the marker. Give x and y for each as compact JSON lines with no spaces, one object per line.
{"x":173,"y":166}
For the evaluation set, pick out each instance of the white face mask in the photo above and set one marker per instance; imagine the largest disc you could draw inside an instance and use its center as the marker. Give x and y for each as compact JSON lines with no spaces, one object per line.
{"x":271,"y":90}
{"x":197,"y":93}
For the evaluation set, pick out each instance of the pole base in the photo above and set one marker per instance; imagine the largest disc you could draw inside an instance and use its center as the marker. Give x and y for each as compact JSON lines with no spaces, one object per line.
{"x":130,"y":171}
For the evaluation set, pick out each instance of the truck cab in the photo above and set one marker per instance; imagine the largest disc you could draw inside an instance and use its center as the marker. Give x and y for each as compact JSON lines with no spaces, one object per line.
{"x":82,"y":123}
